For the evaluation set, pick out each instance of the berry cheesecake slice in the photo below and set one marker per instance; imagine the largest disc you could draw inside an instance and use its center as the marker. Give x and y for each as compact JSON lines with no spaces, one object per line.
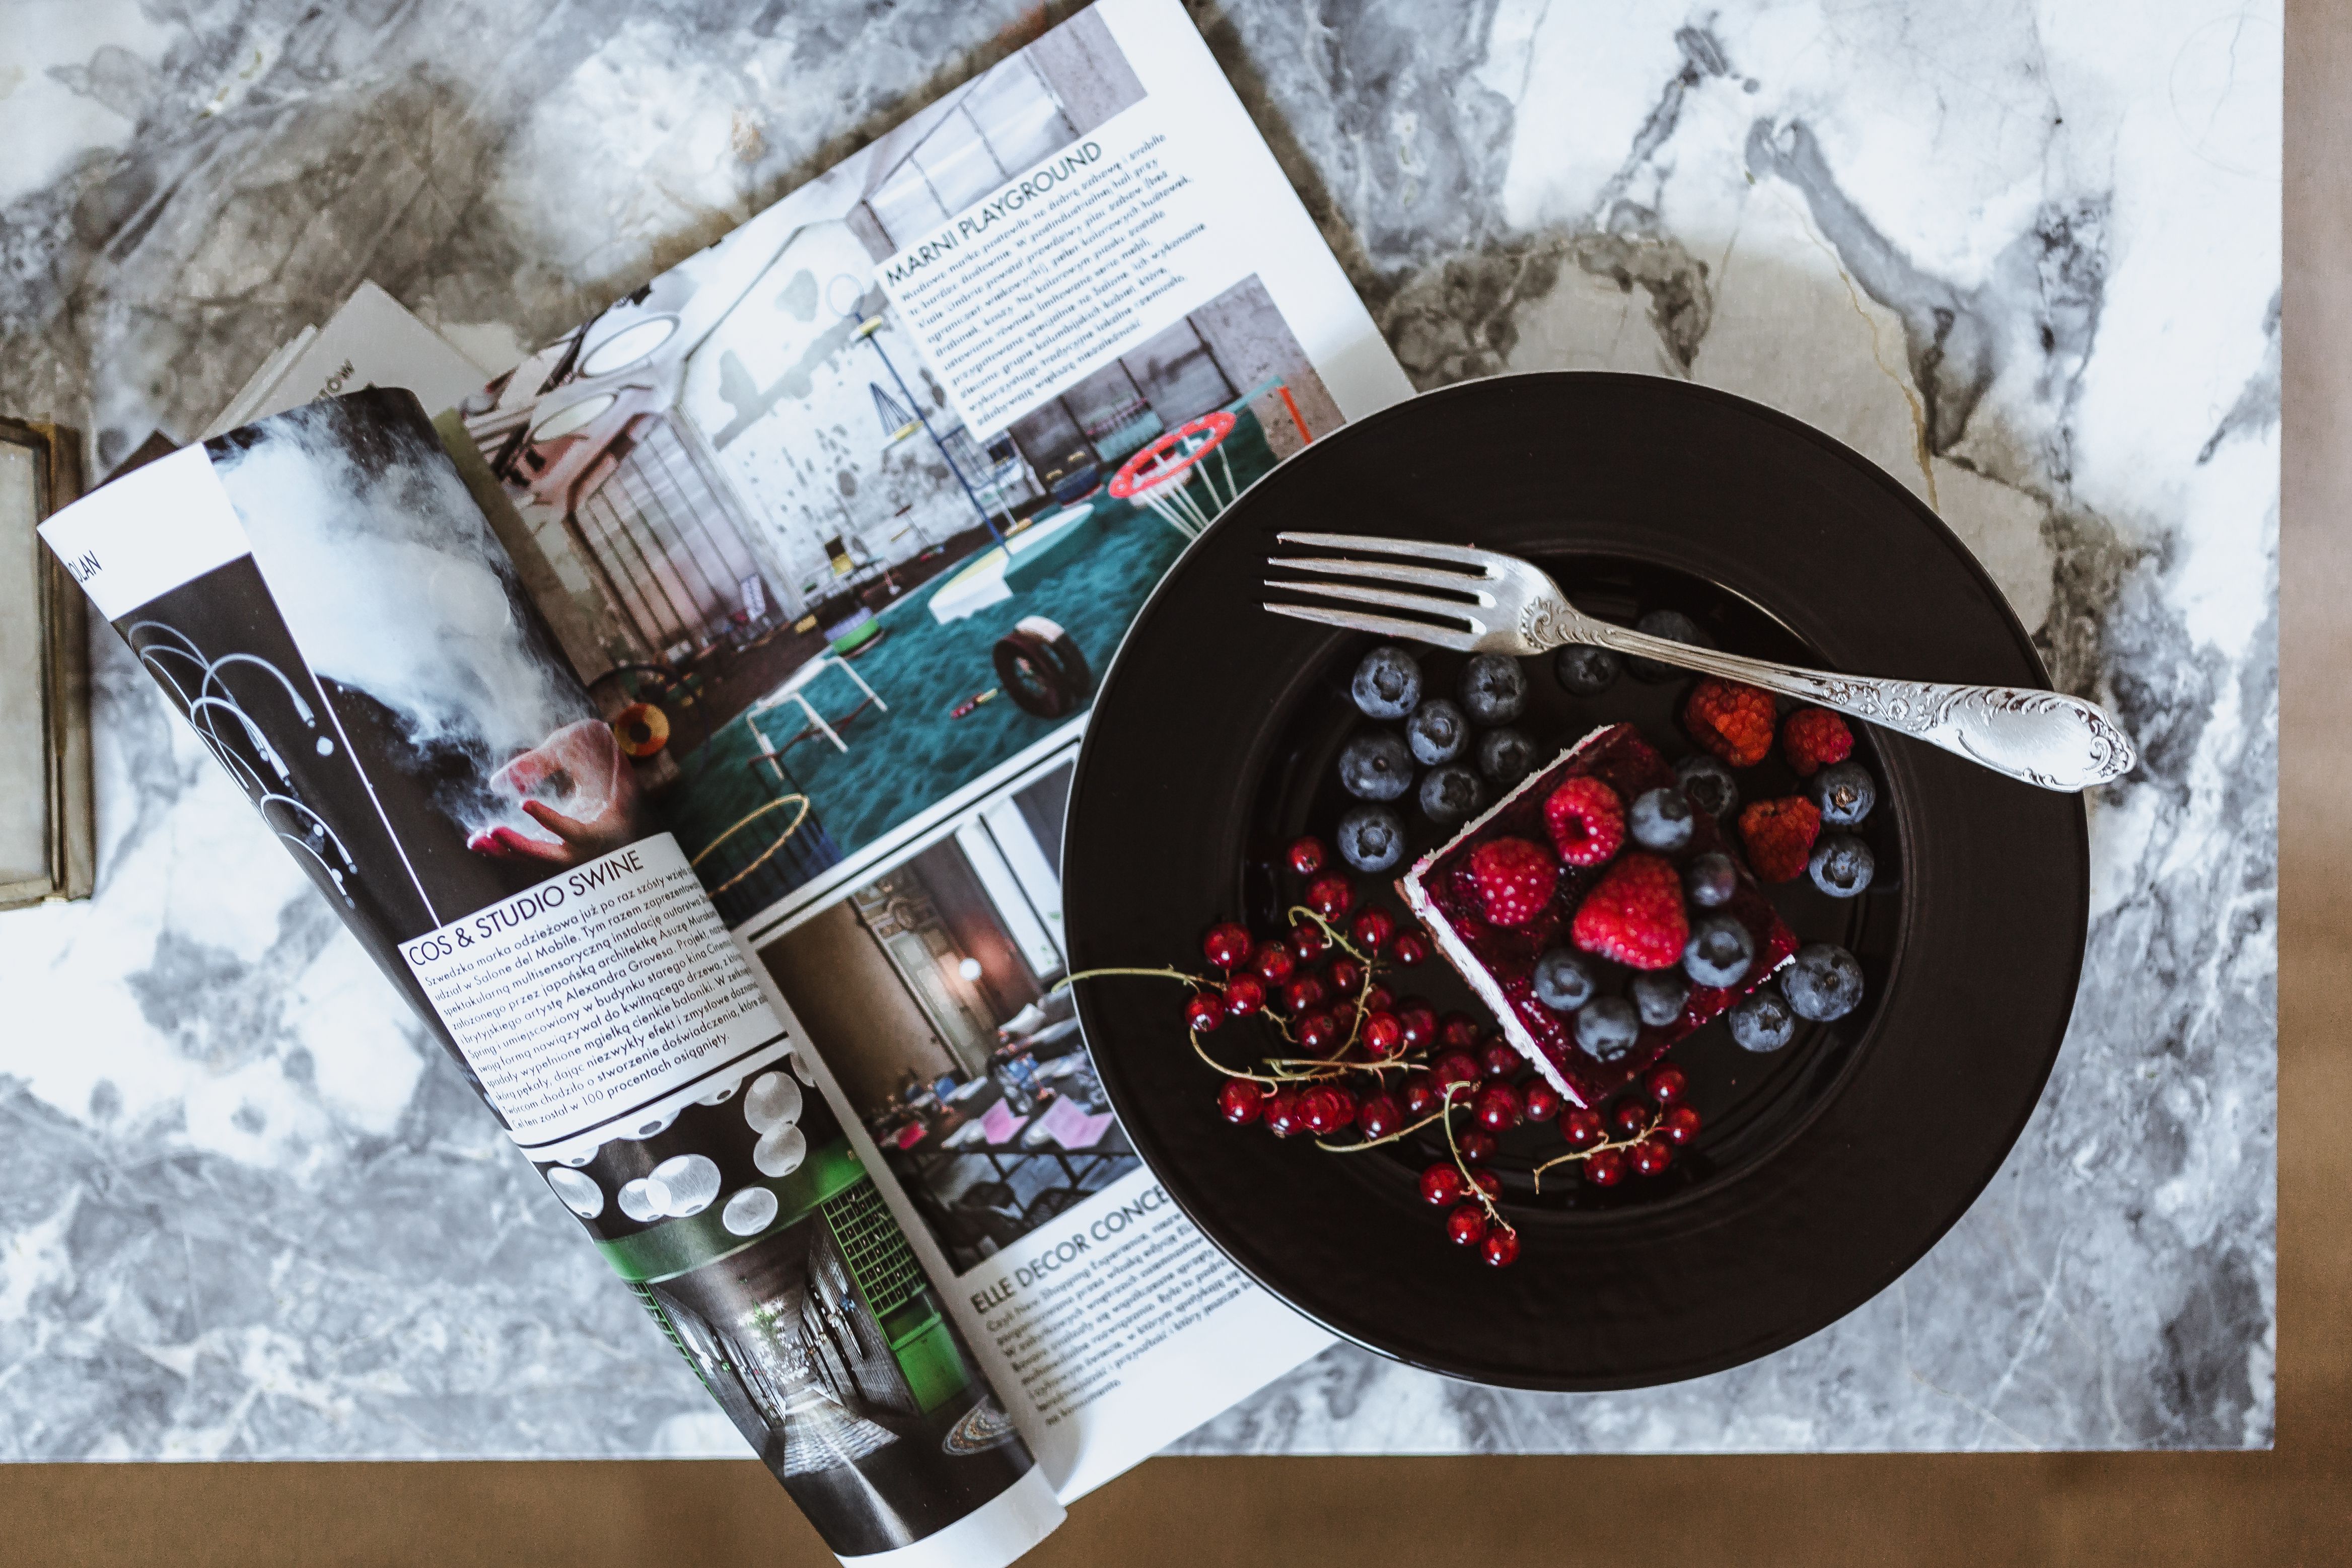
{"x":1550,"y":875}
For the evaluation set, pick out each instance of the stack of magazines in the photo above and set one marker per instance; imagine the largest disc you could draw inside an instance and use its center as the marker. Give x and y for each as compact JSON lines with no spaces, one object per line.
{"x":683,"y":721}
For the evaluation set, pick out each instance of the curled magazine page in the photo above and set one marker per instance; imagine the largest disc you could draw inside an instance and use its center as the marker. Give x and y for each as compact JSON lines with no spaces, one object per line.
{"x":321,"y":599}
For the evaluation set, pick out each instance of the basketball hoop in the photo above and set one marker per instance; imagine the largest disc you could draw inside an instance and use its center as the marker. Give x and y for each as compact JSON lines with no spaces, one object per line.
{"x":1174,"y":479}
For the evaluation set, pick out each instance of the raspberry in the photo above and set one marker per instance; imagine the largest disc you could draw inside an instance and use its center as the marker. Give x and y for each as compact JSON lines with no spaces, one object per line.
{"x":1779,"y":836}
{"x":1634,"y":914}
{"x":1515,"y":879}
{"x":1813,"y":739}
{"x":1733,"y":720}
{"x":1587,"y":821}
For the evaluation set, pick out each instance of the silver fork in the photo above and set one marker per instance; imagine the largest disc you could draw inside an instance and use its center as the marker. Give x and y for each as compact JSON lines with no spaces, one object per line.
{"x":1500,"y":603}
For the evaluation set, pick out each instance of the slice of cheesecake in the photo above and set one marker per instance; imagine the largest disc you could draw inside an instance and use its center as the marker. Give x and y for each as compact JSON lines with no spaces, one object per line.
{"x":1499,"y":962}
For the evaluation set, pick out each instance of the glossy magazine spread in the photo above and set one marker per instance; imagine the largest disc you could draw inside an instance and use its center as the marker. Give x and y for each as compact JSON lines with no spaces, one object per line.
{"x":683,"y":722}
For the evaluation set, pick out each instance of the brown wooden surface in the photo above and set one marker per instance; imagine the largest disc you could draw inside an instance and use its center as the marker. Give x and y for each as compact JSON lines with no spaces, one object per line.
{"x":2291,"y":1506}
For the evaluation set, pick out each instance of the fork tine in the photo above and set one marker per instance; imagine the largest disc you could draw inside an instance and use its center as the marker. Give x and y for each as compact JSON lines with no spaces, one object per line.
{"x":1381,"y":625}
{"x":1388,"y":571}
{"x":1419,"y":603}
{"x":1461,"y":555}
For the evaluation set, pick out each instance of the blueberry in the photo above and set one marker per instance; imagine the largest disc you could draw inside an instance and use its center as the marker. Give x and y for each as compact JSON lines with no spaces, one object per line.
{"x":1376,"y":766}
{"x":1451,"y":794}
{"x":1587,"y":672}
{"x":1607,"y":1028}
{"x":1659,"y":995}
{"x":1719,"y":951}
{"x":1842,"y":865}
{"x":1823,"y":982}
{"x":1710,"y":879}
{"x":1709,"y":784}
{"x":1674,"y":626}
{"x":1660,"y":819}
{"x":1371,"y":837}
{"x":1564,"y":980}
{"x":1505,"y":756}
{"x":1845,"y":791}
{"x":1387,"y":684}
{"x":1494,"y":688}
{"x":1761,"y":1021}
{"x":1437,"y":731}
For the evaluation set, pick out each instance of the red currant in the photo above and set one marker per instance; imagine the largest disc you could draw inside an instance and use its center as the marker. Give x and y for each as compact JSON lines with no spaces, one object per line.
{"x":1665,"y":1083}
{"x":1273,"y":961}
{"x":1679,"y":1125}
{"x":1582,"y":1126}
{"x":1422,"y":1096}
{"x":1382,"y":1036}
{"x":1302,"y":994}
{"x":1317,"y":1032}
{"x":1459,"y":1032}
{"x":1380,"y":1115}
{"x":1204,"y":1011}
{"x":1281,"y":1113}
{"x":1499,"y":1057}
{"x":1630,"y":1117}
{"x":1345,"y":974}
{"x":1486,"y":1182}
{"x":1307,"y":855}
{"x":1326,"y":1108}
{"x":1377,"y":999}
{"x":1652,"y":1156}
{"x":1343,"y":1018}
{"x":1501,"y":1247}
{"x":1226,"y":944}
{"x":1442,"y":1185}
{"x":1465,"y":1225}
{"x":1499,"y":1108}
{"x":1602,"y":1167}
{"x":1373,"y":929}
{"x":1419,"y":1021}
{"x":1543,"y":1101}
{"x":1476,"y":1147}
{"x":1241,"y":1101}
{"x":1244,"y":995}
{"x":1331,"y":895}
{"x":1453,"y":1067}
{"x":1307,"y":941}
{"x":1410,"y":948}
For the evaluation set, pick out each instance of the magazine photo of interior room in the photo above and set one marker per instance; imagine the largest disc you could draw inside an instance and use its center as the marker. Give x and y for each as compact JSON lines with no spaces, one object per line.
{"x":790,"y":571}
{"x":928,"y":990}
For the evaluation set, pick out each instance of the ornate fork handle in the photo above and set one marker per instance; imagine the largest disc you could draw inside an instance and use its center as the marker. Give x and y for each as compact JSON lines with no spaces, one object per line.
{"x":2044,"y":738}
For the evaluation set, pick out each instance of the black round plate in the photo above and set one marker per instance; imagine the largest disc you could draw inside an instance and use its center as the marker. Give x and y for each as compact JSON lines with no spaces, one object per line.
{"x":1825,"y":1171}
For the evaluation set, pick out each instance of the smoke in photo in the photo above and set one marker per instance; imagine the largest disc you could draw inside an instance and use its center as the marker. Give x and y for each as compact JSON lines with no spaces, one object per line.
{"x":392,"y":585}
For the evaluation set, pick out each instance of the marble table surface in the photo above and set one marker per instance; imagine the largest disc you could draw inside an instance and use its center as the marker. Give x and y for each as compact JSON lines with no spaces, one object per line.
{"x":2025,"y":256}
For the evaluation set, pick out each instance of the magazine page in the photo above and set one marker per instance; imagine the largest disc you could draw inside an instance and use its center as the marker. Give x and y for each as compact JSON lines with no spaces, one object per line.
{"x":371,"y":340}
{"x":841,"y":519}
{"x":322,"y":600}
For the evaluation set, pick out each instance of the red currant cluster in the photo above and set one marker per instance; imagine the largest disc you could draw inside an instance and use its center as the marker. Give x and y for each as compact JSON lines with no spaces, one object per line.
{"x":1358,"y":1059}
{"x":1650,"y":1125}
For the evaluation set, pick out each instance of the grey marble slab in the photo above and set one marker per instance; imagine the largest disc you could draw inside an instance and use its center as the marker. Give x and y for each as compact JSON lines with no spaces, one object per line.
{"x":2025,"y":258}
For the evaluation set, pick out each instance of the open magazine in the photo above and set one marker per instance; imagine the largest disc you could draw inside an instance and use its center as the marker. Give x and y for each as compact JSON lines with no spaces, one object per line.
{"x":684,"y":722}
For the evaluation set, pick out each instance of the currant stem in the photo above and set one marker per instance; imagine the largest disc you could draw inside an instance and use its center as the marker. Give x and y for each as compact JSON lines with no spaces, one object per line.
{"x":1446,"y":1112}
{"x":1579,"y":1155}
{"x":1195,"y":981}
{"x":1387,"y":1138}
{"x":1203,"y":1052}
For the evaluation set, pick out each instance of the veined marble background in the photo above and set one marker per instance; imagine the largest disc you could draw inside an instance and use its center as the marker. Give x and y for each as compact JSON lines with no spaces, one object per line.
{"x":2026,"y":256}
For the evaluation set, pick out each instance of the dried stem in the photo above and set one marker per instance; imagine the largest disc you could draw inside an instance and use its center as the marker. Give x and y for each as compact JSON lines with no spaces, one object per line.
{"x":1578,"y":1156}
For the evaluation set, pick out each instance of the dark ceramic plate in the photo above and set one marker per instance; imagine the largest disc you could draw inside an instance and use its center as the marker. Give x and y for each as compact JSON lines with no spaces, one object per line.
{"x":1824,"y":1170}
